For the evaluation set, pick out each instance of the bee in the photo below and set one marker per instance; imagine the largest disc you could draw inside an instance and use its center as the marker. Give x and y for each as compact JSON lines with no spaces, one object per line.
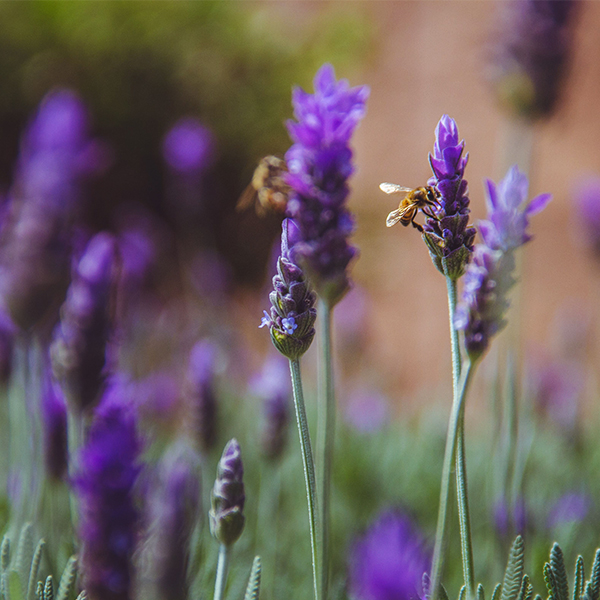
{"x":268,"y":190}
{"x":421,"y":198}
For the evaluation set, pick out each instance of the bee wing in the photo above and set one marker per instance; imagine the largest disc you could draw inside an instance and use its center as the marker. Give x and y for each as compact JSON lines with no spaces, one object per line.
{"x":247,"y":198}
{"x":393,"y":188}
{"x":394,"y":217}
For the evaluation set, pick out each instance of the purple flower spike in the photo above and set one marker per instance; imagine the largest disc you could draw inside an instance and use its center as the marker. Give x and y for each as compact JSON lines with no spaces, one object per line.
{"x":109,"y":519}
{"x":54,"y":419}
{"x":174,"y":508}
{"x":388,"y":562}
{"x":228,"y":497}
{"x":54,"y":157}
{"x":320,"y":163}
{"x":188,"y":147}
{"x":201,"y":390}
{"x":570,"y":508}
{"x":79,"y":348}
{"x":448,"y":236}
{"x":292,"y":318}
{"x":488,"y":278}
{"x":531,"y":55}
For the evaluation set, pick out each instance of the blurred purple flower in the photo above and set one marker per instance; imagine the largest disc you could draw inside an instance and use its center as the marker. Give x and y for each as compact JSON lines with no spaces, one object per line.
{"x":53,"y":159}
{"x":54,"y":423}
{"x":228,"y":496}
{"x":448,"y":237}
{"x":588,"y":205}
{"x":157,"y":397}
{"x":174,"y":508}
{"x":388,"y":562}
{"x":366,"y":410}
{"x":211,"y":275}
{"x":109,"y":518}
{"x":292,"y":318}
{"x":531,"y":54}
{"x":188,"y":146}
{"x":79,"y":348}
{"x":489,"y":277}
{"x":572,"y":507}
{"x":510,"y":520}
{"x":7,"y":338}
{"x":202,"y":393}
{"x":273,"y":386}
{"x":319,"y":164}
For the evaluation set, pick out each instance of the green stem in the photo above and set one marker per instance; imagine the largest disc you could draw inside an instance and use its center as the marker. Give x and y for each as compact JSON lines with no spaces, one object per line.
{"x":449,"y":457}
{"x":461,"y":470}
{"x":326,"y":438}
{"x":222,"y":567}
{"x":309,"y":467}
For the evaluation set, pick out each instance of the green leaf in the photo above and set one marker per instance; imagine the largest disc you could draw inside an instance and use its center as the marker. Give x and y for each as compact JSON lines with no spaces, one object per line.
{"x":497,"y":591}
{"x":253,"y":589}
{"x":592,"y":589}
{"x":513,"y":574}
{"x":13,"y":586}
{"x":480,"y":592}
{"x":33,"y":571}
{"x":67,"y":581}
{"x":39,"y":591}
{"x":443,"y":594}
{"x":557,"y":564}
{"x":551,"y":584}
{"x":49,"y":588}
{"x":526,"y":591}
{"x":4,"y":554}
{"x":578,"y":579}
{"x":82,"y":595}
{"x":463,"y":593}
{"x":25,"y":552}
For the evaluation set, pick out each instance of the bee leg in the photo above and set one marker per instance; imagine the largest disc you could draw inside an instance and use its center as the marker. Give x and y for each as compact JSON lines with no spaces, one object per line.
{"x":416,"y":225}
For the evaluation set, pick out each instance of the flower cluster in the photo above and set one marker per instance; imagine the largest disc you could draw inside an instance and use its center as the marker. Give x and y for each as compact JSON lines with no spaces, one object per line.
{"x":292,"y":318}
{"x":448,"y":236}
{"x":490,"y":276}
{"x":531,"y":55}
{"x":319,"y":164}
{"x":109,"y":518}
{"x":389,"y":561}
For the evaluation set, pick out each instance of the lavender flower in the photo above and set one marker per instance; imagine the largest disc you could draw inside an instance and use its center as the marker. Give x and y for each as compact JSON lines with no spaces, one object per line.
{"x":572,"y":507}
{"x":448,"y":236}
{"x":55,"y":155}
{"x":511,"y":519}
{"x":174,"y":508}
{"x":188,"y":146}
{"x":227,"y":498}
{"x":319,"y":164}
{"x":79,"y":347}
{"x":366,"y":410}
{"x":292,"y":312}
{"x":201,"y":391}
{"x":54,"y":423}
{"x":274,"y":389}
{"x":531,"y":55}
{"x":489,"y":277}
{"x":388,"y":562}
{"x":588,"y":204}
{"x":109,"y":518}
{"x":7,"y":338}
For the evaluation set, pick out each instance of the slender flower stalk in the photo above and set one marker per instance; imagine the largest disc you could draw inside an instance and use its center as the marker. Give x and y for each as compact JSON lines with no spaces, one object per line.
{"x":320,"y":164}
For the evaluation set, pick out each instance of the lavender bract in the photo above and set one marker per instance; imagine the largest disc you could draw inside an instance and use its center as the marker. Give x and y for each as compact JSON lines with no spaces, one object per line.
{"x":55,"y":156}
{"x":227,"y":498}
{"x":448,"y":237}
{"x":489,"y":277}
{"x":319,"y":164}
{"x":292,"y":318}
{"x":388,"y":562}
{"x":531,"y":54}
{"x":79,"y":347}
{"x":109,"y":518}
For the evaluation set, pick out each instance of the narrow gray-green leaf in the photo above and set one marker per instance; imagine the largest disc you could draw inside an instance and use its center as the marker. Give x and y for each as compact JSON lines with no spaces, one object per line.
{"x":82,"y":595}
{"x":526,"y":590}
{"x":24,"y":552}
{"x":550,"y":580}
{"x":557,"y":564}
{"x":67,"y":581}
{"x":578,"y":579}
{"x":513,"y":574}
{"x":426,"y":585}
{"x":14,"y":587}
{"x":497,"y":591}
{"x":49,"y":588}
{"x":480,"y":592}
{"x":35,"y":567}
{"x":39,"y":591}
{"x":592,"y":589}
{"x":4,"y":554}
{"x":463,"y":593}
{"x":443,"y":594}
{"x":537,"y":597}
{"x":253,"y":589}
